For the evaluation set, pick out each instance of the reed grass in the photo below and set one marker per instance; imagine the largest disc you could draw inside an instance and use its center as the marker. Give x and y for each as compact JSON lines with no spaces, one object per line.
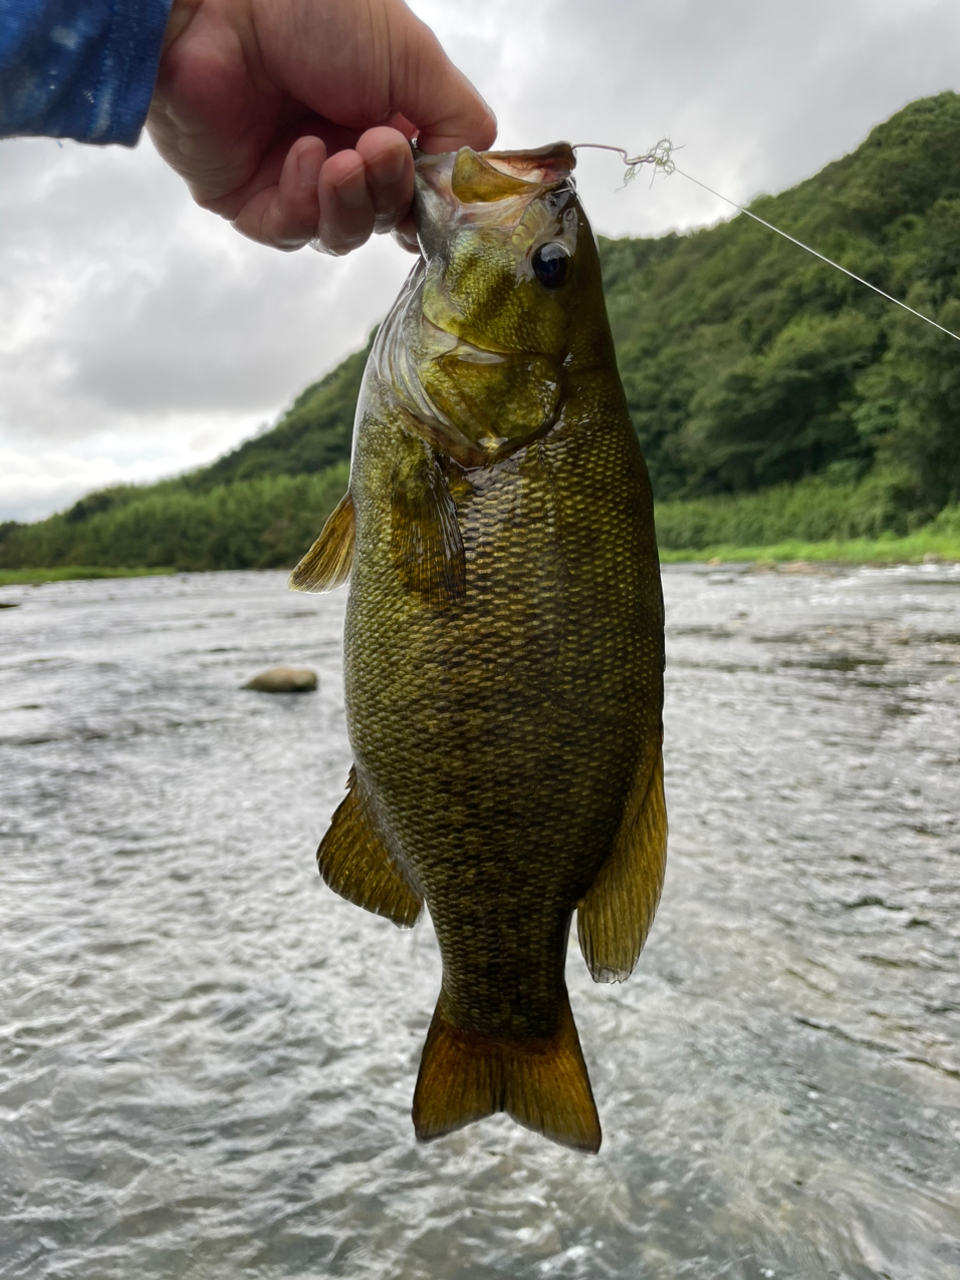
{"x":914,"y":549}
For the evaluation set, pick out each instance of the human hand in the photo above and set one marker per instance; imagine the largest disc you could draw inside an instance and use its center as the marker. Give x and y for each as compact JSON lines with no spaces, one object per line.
{"x":292,"y":118}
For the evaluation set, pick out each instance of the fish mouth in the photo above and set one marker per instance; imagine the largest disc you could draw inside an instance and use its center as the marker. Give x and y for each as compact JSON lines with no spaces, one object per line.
{"x":479,"y":186}
{"x":477,"y":177}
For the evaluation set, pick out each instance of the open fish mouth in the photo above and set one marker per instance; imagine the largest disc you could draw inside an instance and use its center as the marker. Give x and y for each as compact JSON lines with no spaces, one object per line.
{"x":479,"y":176}
{"x":476,"y":187}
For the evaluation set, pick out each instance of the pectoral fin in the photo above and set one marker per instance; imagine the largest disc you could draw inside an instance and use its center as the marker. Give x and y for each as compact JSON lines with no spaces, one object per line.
{"x":355,"y":863}
{"x":327,"y":564}
{"x":425,"y":540}
{"x":615,"y":915}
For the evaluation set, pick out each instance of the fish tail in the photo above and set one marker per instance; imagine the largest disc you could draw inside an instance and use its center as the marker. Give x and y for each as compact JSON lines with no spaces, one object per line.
{"x":542,"y":1084}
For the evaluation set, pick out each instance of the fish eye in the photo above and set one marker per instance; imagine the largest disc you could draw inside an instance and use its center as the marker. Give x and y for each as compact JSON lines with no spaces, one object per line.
{"x":550,"y":264}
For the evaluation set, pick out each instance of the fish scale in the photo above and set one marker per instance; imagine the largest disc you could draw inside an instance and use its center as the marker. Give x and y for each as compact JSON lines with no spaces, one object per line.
{"x":503,"y":652}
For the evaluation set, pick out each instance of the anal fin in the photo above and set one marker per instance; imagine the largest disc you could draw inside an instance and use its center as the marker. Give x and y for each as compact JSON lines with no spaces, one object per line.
{"x":328,"y":562}
{"x":615,"y":914}
{"x":355,"y":863}
{"x":542,"y":1084}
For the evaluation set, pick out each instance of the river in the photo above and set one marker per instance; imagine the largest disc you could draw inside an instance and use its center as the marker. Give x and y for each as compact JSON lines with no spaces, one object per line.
{"x":207,"y":1059}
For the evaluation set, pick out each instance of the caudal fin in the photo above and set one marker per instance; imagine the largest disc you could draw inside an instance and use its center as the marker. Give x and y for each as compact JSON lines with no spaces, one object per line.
{"x":542,"y":1084}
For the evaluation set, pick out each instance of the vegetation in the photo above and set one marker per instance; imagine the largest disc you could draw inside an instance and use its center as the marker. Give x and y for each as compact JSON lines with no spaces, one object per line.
{"x":68,"y":572}
{"x":775,"y":398}
{"x":748,"y":363}
{"x":916,"y":549}
{"x":250,"y":524}
{"x":812,"y":510}
{"x":809,"y":521}
{"x":939,"y":540}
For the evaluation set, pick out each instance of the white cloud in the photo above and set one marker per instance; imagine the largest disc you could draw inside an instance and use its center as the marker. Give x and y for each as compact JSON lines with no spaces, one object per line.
{"x":140,"y":336}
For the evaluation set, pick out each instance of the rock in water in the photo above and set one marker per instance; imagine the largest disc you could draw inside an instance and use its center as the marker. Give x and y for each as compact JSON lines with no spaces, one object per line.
{"x":284,"y":680}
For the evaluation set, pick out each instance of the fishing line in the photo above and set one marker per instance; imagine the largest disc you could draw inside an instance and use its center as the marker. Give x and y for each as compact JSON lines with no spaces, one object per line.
{"x":661,"y":158}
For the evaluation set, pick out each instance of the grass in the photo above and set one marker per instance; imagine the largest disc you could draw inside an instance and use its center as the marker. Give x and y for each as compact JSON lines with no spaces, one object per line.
{"x":937,"y":541}
{"x":69,"y":572}
{"x":912,"y":549}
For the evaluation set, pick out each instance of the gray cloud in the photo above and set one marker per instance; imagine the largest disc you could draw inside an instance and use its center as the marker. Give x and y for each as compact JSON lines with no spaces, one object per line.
{"x":139,"y":336}
{"x":125,"y":299}
{"x":760,"y":95}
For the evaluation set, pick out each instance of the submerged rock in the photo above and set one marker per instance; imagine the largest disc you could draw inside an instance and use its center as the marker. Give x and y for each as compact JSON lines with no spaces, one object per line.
{"x":284,"y":680}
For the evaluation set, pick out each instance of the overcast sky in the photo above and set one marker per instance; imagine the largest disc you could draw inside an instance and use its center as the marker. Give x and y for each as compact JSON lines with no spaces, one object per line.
{"x":140,"y":337}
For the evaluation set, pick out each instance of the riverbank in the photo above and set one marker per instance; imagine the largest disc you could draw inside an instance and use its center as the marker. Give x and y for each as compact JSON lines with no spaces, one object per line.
{"x":916,"y":548}
{"x":71,"y":572}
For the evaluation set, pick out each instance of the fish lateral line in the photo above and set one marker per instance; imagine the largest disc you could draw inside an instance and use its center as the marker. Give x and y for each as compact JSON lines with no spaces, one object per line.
{"x":660,"y":156}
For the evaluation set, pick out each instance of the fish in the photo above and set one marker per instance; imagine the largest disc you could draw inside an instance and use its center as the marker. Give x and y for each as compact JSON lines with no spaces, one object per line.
{"x":503,"y":640}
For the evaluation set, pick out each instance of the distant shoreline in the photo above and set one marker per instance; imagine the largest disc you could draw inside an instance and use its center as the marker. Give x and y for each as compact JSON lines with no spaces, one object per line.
{"x":72,"y":573}
{"x":917,"y":548}
{"x":921,"y":548}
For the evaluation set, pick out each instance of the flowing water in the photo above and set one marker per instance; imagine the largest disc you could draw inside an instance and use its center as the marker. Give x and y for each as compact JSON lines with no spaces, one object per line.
{"x":207,"y":1059}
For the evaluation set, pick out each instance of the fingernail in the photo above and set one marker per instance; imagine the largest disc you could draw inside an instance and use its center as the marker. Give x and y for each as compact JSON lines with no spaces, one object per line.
{"x":353,"y":190}
{"x":309,"y":164}
{"x":388,"y":168}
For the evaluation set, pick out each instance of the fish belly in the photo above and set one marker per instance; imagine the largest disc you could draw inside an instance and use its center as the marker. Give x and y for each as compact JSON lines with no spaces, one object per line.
{"x":497,"y":735}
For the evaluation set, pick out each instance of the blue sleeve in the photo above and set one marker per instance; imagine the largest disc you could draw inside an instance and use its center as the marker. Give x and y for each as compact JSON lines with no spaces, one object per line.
{"x":79,"y":69}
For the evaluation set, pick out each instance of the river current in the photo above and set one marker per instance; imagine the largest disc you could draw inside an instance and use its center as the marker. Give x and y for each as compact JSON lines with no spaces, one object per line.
{"x":207,"y":1059}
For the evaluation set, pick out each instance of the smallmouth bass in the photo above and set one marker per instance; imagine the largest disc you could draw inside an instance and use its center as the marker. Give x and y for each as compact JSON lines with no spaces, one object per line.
{"x":503,"y":649}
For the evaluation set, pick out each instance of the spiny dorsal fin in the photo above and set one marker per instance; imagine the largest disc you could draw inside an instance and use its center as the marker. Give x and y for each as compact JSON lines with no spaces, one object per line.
{"x":542,"y":1084}
{"x":615,"y":915}
{"x":425,"y":540}
{"x":355,"y":863}
{"x":327,"y":564}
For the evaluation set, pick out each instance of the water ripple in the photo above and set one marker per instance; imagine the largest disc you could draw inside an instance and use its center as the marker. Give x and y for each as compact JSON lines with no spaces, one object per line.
{"x":207,"y":1060}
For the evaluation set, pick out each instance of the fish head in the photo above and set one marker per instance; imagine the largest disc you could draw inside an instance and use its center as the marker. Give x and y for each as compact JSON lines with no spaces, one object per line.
{"x":509,"y":262}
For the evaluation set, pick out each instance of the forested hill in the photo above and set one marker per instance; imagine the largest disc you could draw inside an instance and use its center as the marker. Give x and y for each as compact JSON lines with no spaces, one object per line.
{"x":747,"y":364}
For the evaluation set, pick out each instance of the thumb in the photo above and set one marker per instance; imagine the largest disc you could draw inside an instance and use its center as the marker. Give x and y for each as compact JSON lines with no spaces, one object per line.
{"x":429,"y":90}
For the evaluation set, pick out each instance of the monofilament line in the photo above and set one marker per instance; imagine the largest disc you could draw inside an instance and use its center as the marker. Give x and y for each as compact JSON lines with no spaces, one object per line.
{"x":822,"y":256}
{"x":661,"y":158}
